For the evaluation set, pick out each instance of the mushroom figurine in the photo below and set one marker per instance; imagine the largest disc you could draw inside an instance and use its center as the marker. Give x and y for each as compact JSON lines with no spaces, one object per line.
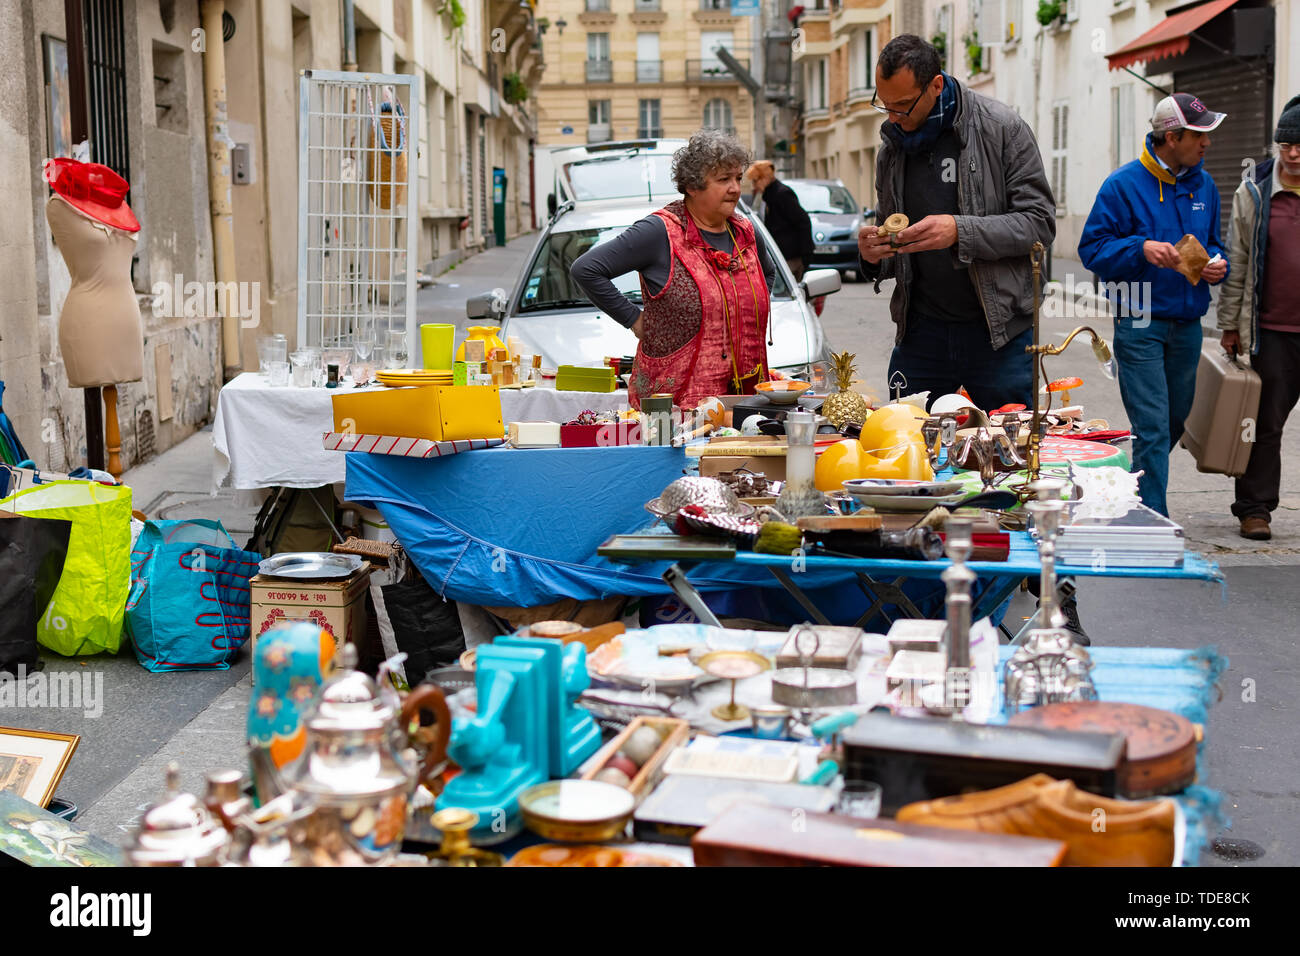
{"x":1063,"y":385}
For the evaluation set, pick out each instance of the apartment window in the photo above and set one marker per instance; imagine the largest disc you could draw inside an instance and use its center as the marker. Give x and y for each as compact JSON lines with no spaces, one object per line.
{"x":598,"y":122}
{"x":649,"y":68}
{"x":1060,"y":137}
{"x":599,"y":67}
{"x":864,"y":61}
{"x":1012,"y":23}
{"x":943,"y":28}
{"x":1121,"y":119}
{"x":648,"y":120}
{"x":717,"y":115}
{"x":816,"y":81}
{"x":711,"y":40}
{"x":598,"y":6}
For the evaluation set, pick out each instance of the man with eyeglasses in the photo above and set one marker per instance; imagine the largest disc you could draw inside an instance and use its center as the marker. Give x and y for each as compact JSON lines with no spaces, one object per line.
{"x":1259,"y":312}
{"x":966,"y":171}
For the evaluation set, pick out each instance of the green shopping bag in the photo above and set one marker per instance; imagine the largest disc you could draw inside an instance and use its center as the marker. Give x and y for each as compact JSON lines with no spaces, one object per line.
{"x":85,"y":615}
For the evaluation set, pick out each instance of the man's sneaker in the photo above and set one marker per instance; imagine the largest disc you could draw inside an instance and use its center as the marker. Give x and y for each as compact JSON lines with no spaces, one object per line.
{"x":1256,"y":529}
{"x":1071,"y":611}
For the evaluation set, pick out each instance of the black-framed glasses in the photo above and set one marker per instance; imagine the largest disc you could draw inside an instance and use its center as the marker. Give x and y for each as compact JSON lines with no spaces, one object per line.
{"x":878,"y":107}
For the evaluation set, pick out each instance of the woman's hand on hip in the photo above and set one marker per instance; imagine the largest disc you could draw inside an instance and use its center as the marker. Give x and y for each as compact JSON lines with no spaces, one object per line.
{"x":638,"y":327}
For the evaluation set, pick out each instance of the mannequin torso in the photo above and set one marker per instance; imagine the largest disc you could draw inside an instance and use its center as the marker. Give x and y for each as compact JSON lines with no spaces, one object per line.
{"x":100,"y":333}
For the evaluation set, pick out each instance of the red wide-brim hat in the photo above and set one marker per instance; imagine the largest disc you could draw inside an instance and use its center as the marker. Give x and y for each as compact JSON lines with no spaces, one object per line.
{"x":93,"y":189}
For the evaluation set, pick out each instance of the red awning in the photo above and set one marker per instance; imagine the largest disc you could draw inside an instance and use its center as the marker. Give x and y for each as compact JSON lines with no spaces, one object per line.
{"x":1169,"y":37}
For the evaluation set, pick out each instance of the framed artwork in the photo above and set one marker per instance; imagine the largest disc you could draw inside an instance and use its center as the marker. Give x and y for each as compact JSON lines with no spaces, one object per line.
{"x":58,"y":115}
{"x":32,"y":762}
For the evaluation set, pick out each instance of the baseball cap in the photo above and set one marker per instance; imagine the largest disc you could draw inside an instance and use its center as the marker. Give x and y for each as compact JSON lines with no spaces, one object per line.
{"x":1184,"y":111}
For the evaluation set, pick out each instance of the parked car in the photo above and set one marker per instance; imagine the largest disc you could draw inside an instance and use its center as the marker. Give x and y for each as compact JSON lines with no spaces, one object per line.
{"x":551,"y":315}
{"x":836,"y":219}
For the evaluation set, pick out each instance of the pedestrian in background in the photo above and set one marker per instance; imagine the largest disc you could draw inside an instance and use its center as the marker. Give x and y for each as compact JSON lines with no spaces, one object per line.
{"x":967,"y":172}
{"x":1142,"y":209}
{"x":1259,"y":312}
{"x":785,"y":219}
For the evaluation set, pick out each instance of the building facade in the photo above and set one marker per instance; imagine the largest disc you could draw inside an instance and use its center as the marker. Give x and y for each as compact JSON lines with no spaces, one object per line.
{"x":835,"y":56}
{"x":476,"y":66}
{"x":631,"y":69}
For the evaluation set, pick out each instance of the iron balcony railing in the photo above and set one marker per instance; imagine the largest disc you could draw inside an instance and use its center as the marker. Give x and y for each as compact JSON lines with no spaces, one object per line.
{"x":710,"y":71}
{"x":600,"y":71}
{"x":649,"y":71}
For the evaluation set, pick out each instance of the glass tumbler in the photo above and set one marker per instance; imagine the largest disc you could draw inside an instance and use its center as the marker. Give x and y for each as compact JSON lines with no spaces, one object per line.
{"x":278,"y":374}
{"x":303,"y":362}
{"x":859,"y":798}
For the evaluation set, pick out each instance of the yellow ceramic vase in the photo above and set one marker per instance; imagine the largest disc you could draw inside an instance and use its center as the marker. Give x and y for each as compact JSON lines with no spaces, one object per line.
{"x":488,"y":333}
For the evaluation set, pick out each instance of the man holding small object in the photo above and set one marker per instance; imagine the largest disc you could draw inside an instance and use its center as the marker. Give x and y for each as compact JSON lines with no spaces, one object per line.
{"x":1143,"y":208}
{"x":964,"y":176}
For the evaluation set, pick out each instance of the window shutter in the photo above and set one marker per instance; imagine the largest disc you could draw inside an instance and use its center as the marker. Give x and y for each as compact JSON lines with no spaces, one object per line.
{"x":990,"y":22}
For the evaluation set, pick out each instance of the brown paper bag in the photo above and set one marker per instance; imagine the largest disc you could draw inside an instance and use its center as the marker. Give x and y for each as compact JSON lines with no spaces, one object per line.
{"x":1194,"y":257}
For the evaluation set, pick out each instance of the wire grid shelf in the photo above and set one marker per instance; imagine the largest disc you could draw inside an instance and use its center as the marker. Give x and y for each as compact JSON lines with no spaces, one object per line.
{"x":358,"y":190}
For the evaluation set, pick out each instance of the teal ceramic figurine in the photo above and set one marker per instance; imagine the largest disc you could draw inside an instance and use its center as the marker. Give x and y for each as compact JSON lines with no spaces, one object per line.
{"x":574,"y":735}
{"x":290,"y":664}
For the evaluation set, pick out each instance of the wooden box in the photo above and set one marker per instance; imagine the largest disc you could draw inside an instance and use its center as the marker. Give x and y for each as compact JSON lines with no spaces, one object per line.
{"x":749,"y":834}
{"x":675,"y":733}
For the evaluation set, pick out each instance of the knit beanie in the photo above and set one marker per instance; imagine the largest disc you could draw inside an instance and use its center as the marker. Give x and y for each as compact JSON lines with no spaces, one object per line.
{"x":1288,"y":125}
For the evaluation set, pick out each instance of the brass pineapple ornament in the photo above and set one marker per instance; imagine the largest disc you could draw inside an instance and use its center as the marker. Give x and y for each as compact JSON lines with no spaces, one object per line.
{"x":845,"y":407}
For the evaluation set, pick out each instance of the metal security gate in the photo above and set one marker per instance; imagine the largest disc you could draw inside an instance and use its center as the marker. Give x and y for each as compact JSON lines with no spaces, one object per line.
{"x":106,"y":78}
{"x":358,"y":186}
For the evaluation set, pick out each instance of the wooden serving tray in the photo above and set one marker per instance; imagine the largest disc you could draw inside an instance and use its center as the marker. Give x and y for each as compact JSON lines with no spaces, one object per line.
{"x":859,"y":522}
{"x":1161,"y":745}
{"x":675,"y":733}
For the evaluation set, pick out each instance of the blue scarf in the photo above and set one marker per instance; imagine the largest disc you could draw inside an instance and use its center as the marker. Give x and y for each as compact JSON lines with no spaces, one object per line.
{"x":940,"y":119}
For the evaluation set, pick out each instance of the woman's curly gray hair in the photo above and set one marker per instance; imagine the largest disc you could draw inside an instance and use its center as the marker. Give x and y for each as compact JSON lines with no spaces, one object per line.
{"x":708,"y":151}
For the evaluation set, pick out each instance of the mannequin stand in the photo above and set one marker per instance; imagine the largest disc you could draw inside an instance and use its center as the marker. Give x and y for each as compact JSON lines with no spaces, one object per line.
{"x":112,"y":434}
{"x":94,"y":429}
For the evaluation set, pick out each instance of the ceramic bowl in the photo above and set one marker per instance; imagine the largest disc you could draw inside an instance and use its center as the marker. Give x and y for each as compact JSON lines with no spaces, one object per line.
{"x":782,"y":393}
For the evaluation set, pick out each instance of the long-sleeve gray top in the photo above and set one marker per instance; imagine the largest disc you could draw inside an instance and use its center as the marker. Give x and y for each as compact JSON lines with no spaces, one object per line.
{"x":643,"y":247}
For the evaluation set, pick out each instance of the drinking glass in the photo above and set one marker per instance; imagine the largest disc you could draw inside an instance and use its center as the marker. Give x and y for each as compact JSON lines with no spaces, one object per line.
{"x":363,"y":343}
{"x":397,"y":351}
{"x":859,"y":798}
{"x":303,"y":362}
{"x":278,"y":373}
{"x":271,"y":348}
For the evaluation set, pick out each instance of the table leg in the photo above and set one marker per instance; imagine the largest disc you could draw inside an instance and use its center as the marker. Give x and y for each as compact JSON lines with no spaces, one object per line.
{"x":883,"y":593}
{"x":798,"y":595}
{"x":675,"y":578}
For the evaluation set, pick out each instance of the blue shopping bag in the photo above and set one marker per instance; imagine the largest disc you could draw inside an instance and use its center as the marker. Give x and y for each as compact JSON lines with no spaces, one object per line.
{"x":188,"y":608}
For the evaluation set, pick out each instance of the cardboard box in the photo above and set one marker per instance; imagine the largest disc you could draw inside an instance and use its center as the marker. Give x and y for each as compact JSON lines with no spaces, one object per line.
{"x":435,"y":412}
{"x":770,"y":466}
{"x":339,"y":607}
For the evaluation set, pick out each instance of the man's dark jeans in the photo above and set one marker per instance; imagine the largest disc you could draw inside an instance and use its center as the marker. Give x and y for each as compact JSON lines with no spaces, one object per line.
{"x":1278,"y":365}
{"x":1156,"y":362}
{"x":944,"y":356}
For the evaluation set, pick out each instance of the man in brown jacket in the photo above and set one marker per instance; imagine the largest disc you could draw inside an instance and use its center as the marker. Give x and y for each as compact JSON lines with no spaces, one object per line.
{"x":1259,"y":312}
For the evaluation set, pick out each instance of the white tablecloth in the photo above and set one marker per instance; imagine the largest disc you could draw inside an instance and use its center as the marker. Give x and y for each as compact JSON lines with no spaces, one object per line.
{"x":264,"y":436}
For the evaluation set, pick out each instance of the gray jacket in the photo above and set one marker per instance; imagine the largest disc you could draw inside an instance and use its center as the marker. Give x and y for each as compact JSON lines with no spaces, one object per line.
{"x":1004,"y":202}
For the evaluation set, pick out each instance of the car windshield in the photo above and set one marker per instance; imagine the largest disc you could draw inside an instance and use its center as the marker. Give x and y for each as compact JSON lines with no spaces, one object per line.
{"x":621,"y":177}
{"x":549,"y":285}
{"x":820,"y":197}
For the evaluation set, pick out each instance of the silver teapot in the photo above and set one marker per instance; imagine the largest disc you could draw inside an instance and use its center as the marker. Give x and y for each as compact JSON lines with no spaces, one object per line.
{"x":178,"y":831}
{"x":351,"y":781}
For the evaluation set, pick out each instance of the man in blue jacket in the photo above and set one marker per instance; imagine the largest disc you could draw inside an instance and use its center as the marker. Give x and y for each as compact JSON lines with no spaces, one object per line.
{"x":1142,"y":209}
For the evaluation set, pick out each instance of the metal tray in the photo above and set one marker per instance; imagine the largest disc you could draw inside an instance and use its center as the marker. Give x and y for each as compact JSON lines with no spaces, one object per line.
{"x":310,"y":565}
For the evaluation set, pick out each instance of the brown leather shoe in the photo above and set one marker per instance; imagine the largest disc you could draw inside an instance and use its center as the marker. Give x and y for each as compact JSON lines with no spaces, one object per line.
{"x":1099,"y":831}
{"x":1256,"y":529}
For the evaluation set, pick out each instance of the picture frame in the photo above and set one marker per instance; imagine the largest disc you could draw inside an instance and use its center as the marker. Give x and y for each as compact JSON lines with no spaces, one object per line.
{"x":32,"y":762}
{"x":58,"y":109}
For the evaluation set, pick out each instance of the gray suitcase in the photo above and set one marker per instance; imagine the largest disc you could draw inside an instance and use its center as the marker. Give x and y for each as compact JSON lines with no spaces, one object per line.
{"x":1220,"y":431}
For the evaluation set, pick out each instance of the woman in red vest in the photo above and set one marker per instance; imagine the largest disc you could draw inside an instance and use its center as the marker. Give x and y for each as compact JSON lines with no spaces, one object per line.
{"x":705,"y":277}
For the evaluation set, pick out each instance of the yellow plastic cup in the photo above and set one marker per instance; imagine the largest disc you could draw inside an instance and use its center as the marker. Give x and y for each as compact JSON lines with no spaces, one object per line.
{"x":436,"y":341}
